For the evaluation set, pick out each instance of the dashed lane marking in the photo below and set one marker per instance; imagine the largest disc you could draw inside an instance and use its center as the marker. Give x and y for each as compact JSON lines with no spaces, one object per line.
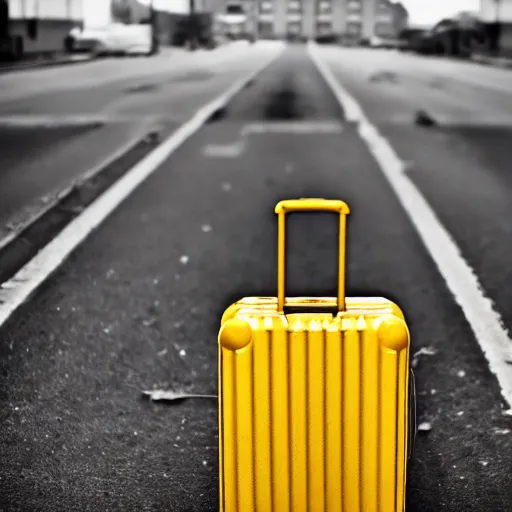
{"x":299,"y":127}
{"x":233,"y":150}
{"x":44,"y":121}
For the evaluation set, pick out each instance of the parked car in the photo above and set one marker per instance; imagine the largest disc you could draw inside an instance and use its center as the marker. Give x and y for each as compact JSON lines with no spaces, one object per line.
{"x":115,"y":39}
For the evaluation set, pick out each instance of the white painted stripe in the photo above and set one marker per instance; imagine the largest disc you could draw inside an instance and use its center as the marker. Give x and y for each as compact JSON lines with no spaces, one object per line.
{"x":43,"y":121}
{"x":56,"y":195}
{"x":301,"y":127}
{"x":236,"y":148}
{"x":68,"y":121}
{"x":17,"y":290}
{"x":351,"y":108}
{"x":478,"y":309}
{"x":233,"y":150}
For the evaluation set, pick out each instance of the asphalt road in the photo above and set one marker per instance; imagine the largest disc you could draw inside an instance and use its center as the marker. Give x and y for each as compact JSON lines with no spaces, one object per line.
{"x":463,"y":165}
{"x":138,"y":305}
{"x":57,"y":124}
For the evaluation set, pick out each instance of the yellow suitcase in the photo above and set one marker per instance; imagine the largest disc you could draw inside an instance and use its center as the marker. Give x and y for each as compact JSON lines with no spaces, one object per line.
{"x":314,"y":407}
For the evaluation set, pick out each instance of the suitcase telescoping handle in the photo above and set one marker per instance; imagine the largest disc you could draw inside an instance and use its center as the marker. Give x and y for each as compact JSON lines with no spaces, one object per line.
{"x":310,"y":205}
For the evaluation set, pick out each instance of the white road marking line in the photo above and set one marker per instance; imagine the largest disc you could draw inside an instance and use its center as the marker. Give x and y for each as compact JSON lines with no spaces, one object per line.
{"x":305,"y":127}
{"x":56,"y":195}
{"x":77,"y":120}
{"x":44,"y":121}
{"x":20,"y":288}
{"x":233,"y":150}
{"x":478,"y":309}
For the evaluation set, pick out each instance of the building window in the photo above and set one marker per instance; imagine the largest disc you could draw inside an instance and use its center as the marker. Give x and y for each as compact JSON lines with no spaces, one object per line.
{"x":324,"y":7}
{"x":354,"y":28}
{"x":383,"y":11}
{"x":266,"y":6}
{"x":294,"y":6}
{"x":383,"y":30}
{"x":234,"y":8}
{"x":324,"y":28}
{"x":354,"y":5}
{"x":354,"y":17}
{"x":384,"y":18}
{"x":265,"y":29}
{"x":294,"y":28}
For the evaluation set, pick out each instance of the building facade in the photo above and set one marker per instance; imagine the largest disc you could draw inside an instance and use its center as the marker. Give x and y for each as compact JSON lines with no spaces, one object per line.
{"x":46,"y":9}
{"x":38,"y":26}
{"x":351,"y":20}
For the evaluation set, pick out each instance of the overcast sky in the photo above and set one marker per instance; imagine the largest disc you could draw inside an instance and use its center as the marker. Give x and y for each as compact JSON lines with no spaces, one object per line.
{"x":430,"y":11}
{"x":421,"y":11}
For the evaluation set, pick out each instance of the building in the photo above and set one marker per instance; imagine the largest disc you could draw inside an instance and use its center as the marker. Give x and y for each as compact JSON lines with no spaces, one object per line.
{"x":38,"y":26}
{"x":497,"y":14}
{"x":400,"y":17}
{"x":351,"y":20}
{"x":496,"y":10}
{"x":172,"y":26}
{"x":236,"y":19}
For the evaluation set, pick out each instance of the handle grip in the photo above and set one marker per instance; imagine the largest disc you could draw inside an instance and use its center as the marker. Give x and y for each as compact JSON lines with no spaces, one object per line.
{"x":310,"y":205}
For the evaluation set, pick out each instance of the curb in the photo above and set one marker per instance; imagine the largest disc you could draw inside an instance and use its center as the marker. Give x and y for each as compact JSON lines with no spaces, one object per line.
{"x":48,"y":122}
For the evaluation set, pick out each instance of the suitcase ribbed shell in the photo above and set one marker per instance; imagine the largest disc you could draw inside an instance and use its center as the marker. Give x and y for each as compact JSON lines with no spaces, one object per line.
{"x":313,"y":408}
